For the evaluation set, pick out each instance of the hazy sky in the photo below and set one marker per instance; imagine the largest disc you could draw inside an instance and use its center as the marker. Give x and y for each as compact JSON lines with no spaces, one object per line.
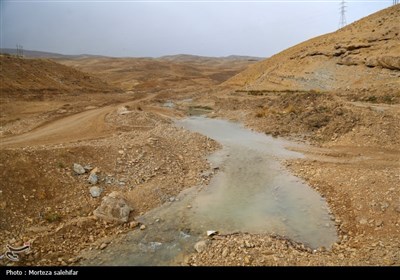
{"x":156,"y":28}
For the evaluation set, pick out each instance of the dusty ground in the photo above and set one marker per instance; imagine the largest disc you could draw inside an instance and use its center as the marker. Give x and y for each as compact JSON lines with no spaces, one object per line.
{"x":352,"y":157}
{"x":143,"y":155}
{"x":140,"y":154}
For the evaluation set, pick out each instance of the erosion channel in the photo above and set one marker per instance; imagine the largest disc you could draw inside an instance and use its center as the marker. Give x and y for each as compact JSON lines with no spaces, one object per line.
{"x":250,"y":192}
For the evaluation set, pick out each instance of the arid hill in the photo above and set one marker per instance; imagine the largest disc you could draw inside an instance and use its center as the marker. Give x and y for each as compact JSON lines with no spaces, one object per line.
{"x":183,"y":72}
{"x":43,"y":76}
{"x":364,"y":55}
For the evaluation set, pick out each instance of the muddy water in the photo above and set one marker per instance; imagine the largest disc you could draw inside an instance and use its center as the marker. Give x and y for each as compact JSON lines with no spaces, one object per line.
{"x":250,"y":193}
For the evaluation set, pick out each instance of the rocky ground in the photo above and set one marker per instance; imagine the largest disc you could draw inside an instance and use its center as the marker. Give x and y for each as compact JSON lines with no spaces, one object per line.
{"x":148,"y":161}
{"x":353,"y":162}
{"x":46,"y":202}
{"x":81,"y":158}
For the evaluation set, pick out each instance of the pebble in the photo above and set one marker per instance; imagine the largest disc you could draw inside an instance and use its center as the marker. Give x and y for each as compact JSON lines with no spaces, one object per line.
{"x":103,"y":246}
{"x":95,"y":191}
{"x":225,"y":252}
{"x":93,"y":179}
{"x":133,"y":224}
{"x":247,"y":260}
{"x":200,"y":246}
{"x":78,"y":169}
{"x":142,"y":227}
{"x":378,"y":223}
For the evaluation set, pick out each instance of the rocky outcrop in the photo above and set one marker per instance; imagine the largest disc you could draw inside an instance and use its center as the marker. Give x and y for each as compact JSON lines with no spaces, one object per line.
{"x":113,"y":208}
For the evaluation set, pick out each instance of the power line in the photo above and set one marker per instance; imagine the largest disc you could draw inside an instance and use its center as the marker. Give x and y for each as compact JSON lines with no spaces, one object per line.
{"x":342,"y":21}
{"x":20,"y":50}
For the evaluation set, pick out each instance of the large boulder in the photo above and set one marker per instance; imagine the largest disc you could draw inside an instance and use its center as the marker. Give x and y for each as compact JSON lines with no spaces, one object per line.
{"x":113,"y":208}
{"x":388,"y":62}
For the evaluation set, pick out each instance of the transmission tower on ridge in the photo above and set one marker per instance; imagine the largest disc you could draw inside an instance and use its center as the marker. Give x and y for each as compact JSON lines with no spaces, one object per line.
{"x":342,"y":21}
{"x":395,"y":2}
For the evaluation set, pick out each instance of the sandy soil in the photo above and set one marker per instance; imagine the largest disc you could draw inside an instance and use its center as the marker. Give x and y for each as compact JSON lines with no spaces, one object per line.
{"x":351,"y":138}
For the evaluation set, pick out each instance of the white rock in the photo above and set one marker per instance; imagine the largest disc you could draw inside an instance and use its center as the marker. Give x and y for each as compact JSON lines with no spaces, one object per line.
{"x":95,"y":191}
{"x":211,"y":232}
{"x":93,"y":178}
{"x":78,"y":169}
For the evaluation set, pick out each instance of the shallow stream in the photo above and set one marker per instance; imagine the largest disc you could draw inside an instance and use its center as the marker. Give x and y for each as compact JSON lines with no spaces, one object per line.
{"x":251,"y":192}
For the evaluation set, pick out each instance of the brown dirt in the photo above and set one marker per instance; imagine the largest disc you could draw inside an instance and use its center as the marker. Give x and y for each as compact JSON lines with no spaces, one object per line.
{"x":36,"y":78}
{"x":307,"y":93}
{"x":45,"y":203}
{"x":353,"y":159}
{"x":363,"y":56}
{"x":173,"y":74}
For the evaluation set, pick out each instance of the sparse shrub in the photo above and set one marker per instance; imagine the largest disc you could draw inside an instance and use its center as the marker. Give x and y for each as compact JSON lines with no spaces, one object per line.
{"x":371,"y":98}
{"x":260,"y":114}
{"x":52,"y":217}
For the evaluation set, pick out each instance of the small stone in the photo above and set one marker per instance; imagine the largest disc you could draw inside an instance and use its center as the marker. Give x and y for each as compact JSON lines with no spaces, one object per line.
{"x":211,"y":232}
{"x":397,"y":209}
{"x":88,"y":168}
{"x":247,"y":260}
{"x":95,"y":191}
{"x":94,"y":170}
{"x":121,"y":152}
{"x":200,"y":246}
{"x":363,"y":221}
{"x":225,"y":252}
{"x":133,"y":224}
{"x":378,"y":223}
{"x":93,"y":179}
{"x":247,"y":244}
{"x":78,"y":169}
{"x":103,"y":246}
{"x":172,"y":199}
{"x":142,"y":227}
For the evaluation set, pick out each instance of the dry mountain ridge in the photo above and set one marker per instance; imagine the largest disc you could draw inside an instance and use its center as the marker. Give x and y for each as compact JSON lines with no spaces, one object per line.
{"x":363,"y":55}
{"x":183,"y":72}
{"x":40,"y":76}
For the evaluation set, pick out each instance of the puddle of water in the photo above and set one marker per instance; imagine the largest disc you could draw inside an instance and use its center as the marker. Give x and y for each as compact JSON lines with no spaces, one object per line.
{"x":169,"y":104}
{"x":251,"y":193}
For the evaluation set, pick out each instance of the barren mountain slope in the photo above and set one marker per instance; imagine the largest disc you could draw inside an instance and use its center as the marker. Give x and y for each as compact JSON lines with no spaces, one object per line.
{"x":31,"y":76}
{"x":172,"y":72}
{"x":362,"y":55}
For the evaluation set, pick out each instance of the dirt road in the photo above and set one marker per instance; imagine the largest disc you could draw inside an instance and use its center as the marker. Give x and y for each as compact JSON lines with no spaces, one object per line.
{"x":89,"y":124}
{"x":82,"y":126}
